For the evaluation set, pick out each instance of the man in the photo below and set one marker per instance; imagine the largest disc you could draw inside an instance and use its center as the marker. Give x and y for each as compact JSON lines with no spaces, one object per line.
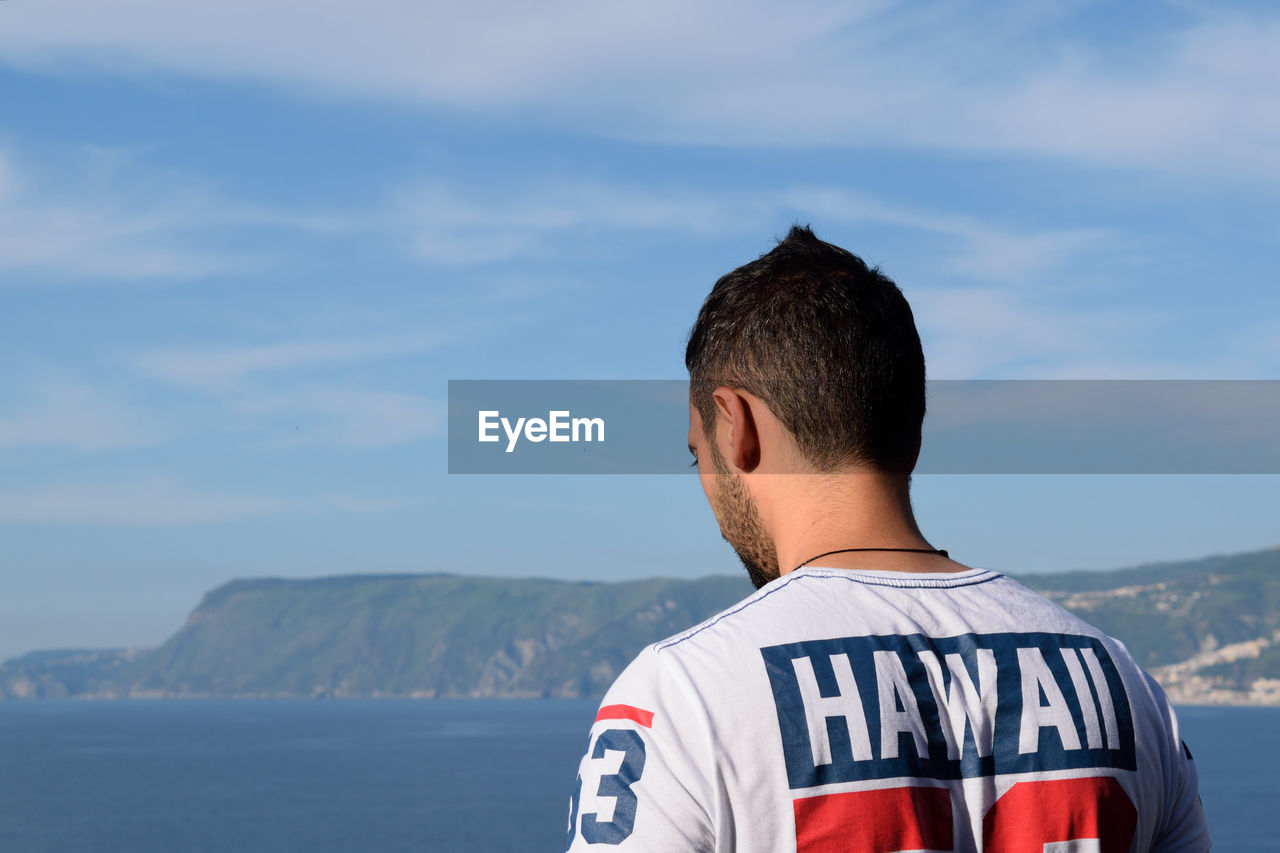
{"x":874,"y":695}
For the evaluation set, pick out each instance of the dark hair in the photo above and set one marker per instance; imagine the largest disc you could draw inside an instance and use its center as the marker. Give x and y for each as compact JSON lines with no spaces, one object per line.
{"x":827,"y":343}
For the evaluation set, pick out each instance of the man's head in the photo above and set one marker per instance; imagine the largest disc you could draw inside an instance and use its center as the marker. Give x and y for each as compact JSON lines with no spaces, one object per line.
{"x":818,"y":352}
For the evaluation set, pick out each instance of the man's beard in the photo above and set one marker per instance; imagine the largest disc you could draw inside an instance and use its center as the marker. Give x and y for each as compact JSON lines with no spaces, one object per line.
{"x":741,"y":525}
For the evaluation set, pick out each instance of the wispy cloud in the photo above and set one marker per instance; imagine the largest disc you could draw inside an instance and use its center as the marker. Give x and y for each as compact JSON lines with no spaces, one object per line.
{"x":453,"y":225}
{"x":347,"y":417}
{"x":90,"y":224}
{"x":980,"y":296}
{"x":212,"y":367}
{"x":288,"y":389}
{"x":1202,"y":97}
{"x":112,"y":219}
{"x":161,"y":501}
{"x":449,"y":223}
{"x":58,"y":411}
{"x":93,"y":215}
{"x":291,"y":392}
{"x":988,"y":332}
{"x":981,"y":250}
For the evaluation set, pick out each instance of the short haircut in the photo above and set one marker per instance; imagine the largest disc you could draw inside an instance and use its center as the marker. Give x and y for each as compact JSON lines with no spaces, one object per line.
{"x":829,"y":344}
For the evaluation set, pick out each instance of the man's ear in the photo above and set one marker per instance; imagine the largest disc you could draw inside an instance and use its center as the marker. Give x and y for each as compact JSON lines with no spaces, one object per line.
{"x":741,"y":443}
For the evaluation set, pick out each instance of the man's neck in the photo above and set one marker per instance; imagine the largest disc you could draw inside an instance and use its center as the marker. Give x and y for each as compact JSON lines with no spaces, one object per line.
{"x":813,"y":515}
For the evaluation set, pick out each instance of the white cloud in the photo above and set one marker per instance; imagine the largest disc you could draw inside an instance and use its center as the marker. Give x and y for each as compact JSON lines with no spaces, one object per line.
{"x":216,"y":367}
{"x":983,"y":305}
{"x":57,"y":411}
{"x":8,"y":180}
{"x":1200,"y":94}
{"x":980,"y":250}
{"x":111,"y":219}
{"x":274,"y":388}
{"x":978,"y":332}
{"x":159,"y":501}
{"x":349,"y":417}
{"x":453,"y":224}
{"x":93,"y":223}
{"x":1033,"y":333}
{"x":102,"y":215}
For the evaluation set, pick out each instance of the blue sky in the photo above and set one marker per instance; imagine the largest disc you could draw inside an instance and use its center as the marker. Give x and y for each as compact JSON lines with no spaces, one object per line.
{"x":242,"y":250}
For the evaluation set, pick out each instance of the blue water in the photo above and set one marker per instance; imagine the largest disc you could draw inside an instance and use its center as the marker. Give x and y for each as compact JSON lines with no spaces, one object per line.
{"x":387,"y":776}
{"x":1237,"y":752}
{"x":315,"y":776}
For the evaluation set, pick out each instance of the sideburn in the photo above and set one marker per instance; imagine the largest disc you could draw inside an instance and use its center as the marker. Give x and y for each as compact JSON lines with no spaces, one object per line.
{"x":741,"y":524}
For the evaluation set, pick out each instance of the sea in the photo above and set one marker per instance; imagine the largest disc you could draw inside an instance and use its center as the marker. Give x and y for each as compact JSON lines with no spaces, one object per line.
{"x":383,"y":776}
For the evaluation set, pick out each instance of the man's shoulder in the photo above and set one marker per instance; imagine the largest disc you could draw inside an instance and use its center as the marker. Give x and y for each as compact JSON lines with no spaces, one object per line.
{"x":728,"y":618}
{"x":668,"y":660}
{"x":793,"y":603}
{"x":833,"y":605}
{"x":1049,"y":611}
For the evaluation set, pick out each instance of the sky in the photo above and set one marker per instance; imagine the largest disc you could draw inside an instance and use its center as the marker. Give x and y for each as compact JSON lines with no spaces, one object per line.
{"x":243,"y":248}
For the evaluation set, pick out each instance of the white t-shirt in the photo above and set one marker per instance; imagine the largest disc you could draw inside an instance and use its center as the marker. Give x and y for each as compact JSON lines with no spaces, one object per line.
{"x":868,"y":712}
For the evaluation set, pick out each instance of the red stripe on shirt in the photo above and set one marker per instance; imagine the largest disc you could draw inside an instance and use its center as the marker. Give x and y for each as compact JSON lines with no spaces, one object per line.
{"x":626,"y":712}
{"x":911,"y":818}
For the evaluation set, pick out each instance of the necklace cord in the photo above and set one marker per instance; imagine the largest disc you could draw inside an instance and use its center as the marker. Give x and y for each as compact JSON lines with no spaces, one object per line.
{"x":939,"y":551}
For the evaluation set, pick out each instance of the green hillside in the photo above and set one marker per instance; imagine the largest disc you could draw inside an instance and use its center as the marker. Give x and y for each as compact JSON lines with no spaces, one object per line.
{"x":1208,"y":628}
{"x":1167,"y":612}
{"x":396,"y":635}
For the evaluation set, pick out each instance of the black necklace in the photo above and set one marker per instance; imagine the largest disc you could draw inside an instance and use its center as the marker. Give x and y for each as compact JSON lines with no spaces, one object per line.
{"x":845,"y":550}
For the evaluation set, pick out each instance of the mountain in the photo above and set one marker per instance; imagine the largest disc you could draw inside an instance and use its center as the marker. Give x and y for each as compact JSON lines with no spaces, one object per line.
{"x":389,"y":635}
{"x":1209,"y":629}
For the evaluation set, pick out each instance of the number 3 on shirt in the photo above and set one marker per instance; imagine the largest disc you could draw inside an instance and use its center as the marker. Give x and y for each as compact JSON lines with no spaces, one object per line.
{"x":616,"y":785}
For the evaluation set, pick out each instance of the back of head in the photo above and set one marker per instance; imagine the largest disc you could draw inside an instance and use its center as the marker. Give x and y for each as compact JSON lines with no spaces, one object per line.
{"x":827,"y":343}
